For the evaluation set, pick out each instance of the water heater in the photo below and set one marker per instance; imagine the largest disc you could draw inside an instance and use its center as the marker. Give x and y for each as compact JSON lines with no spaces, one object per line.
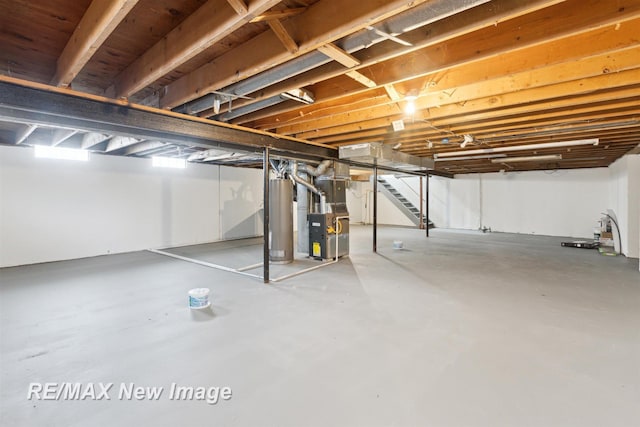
{"x":281,"y":221}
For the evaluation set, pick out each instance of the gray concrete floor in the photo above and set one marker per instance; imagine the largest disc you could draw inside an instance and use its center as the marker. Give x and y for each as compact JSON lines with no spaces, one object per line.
{"x":461,"y":329}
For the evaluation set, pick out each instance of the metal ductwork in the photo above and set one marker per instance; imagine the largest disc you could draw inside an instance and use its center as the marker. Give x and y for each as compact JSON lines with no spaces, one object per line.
{"x":323,"y":219}
{"x":407,"y":21}
{"x":320,"y":170}
{"x":298,"y":180}
{"x":379,"y":154}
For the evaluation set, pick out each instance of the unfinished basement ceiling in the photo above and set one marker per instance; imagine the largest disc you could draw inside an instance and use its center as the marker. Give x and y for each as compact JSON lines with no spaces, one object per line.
{"x":481,"y":75}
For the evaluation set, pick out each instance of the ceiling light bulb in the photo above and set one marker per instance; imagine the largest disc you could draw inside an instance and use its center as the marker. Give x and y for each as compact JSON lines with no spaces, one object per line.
{"x":410,"y":107}
{"x":463,"y":144}
{"x":398,"y":145}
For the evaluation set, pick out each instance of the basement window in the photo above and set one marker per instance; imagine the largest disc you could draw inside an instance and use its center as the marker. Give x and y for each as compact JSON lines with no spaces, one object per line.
{"x":46,"y":152}
{"x":168,"y":162}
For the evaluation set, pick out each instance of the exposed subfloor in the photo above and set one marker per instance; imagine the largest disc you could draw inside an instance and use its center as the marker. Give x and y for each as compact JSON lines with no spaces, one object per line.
{"x":460,"y":329}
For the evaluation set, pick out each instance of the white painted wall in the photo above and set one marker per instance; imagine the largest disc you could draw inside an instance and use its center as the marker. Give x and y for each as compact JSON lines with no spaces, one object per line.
{"x":564,"y":203}
{"x":360,"y":205}
{"x":455,"y":203}
{"x":624,"y":199}
{"x":54,"y":210}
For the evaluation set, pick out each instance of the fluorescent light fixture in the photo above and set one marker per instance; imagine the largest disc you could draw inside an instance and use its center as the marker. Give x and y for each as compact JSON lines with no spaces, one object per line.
{"x":486,"y":156}
{"x":522,"y":147}
{"x":528,"y":159}
{"x":301,"y":95}
{"x":168,"y":162}
{"x":61,"y":153}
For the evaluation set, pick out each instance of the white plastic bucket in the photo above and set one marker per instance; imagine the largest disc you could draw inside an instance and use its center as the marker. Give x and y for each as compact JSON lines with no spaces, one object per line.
{"x":398,"y":244}
{"x":199,"y":298}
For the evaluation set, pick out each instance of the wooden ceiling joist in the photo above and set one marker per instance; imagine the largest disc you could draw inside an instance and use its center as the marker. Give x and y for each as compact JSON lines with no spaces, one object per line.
{"x":451,"y":93}
{"x":481,"y":16}
{"x":283,"y":35}
{"x":187,"y":40}
{"x":361,"y":78}
{"x":339,"y":55}
{"x":506,"y":72}
{"x":392,"y":92}
{"x":454,"y":112}
{"x":530,"y":53}
{"x":324,"y":23}
{"x":98,"y":22}
{"x":239,"y":6}
{"x":279,"y":14}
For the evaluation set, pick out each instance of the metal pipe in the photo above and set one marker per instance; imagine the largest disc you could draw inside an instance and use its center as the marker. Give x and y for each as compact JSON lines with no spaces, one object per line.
{"x":427,"y":204}
{"x":273,"y":165}
{"x":375,"y":209}
{"x":204,"y":263}
{"x":421,"y":224}
{"x":265,"y":189}
{"x":249,"y":267}
{"x":303,"y":216}
{"x":308,"y":185}
{"x":320,"y":170}
{"x":298,"y":180}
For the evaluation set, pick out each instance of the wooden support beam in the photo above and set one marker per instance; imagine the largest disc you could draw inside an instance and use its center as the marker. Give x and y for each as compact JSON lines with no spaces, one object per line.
{"x":190,"y":38}
{"x":513,"y":72}
{"x":283,"y":35}
{"x":98,"y":22}
{"x":481,"y":16}
{"x":325,"y":22}
{"x":430,"y":64}
{"x":361,"y":78}
{"x":239,"y":6}
{"x":339,"y":55}
{"x":363,"y":120}
{"x":279,"y":14}
{"x":361,"y":101}
{"x":415,"y":138}
{"x":23,"y":133}
{"x":392,"y":92}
